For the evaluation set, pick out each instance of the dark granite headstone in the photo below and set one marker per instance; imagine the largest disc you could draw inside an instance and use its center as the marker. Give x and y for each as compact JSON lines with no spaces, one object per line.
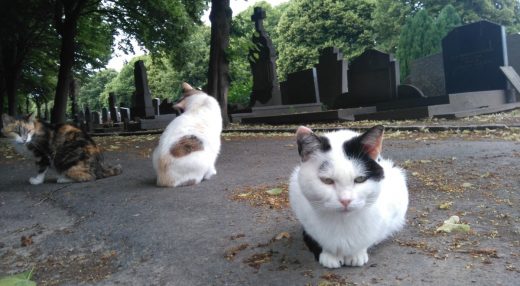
{"x":513,"y":51}
{"x":142,"y":97}
{"x":105,"y":117}
{"x":473,"y":55}
{"x":408,"y":91}
{"x":427,"y":74}
{"x":262,"y":58}
{"x":112,"y":107}
{"x":332,"y":76}
{"x":125,"y":114}
{"x":166,"y":107}
{"x":373,"y":78}
{"x":301,"y":87}
{"x":88,"y":120}
{"x":156,"y":102}
{"x":96,"y":117}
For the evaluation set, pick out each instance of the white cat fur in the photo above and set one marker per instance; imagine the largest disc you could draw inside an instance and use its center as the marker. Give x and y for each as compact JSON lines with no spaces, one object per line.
{"x":201,"y":118}
{"x":346,"y":236}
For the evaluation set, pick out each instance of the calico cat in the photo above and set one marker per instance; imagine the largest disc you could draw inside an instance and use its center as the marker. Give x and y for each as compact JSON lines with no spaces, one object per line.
{"x":345,"y":195}
{"x":189,"y":146}
{"x":64,"y":147}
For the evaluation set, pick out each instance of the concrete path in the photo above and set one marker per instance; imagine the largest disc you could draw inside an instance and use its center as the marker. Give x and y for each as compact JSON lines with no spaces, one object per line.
{"x":125,"y":231}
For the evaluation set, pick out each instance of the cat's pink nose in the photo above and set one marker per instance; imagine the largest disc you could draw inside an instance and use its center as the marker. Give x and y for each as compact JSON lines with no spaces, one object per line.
{"x":345,"y":202}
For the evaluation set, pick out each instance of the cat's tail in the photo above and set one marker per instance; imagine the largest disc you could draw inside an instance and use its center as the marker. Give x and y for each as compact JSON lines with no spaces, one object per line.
{"x":109,"y":171}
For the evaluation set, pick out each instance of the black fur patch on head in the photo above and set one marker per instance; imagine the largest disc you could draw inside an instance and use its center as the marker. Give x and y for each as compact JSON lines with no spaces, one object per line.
{"x":313,"y":245}
{"x":354,"y":150}
{"x":311,"y":143}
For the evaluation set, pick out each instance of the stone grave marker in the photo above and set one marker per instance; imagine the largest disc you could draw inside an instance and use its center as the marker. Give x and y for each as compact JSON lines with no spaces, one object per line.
{"x":373,"y":78}
{"x":301,"y":87}
{"x":166,"y":107}
{"x":513,"y":51}
{"x":88,"y":120}
{"x":105,"y":116}
{"x":156,"y":102}
{"x":473,"y":55}
{"x":96,"y":118}
{"x":142,"y":107}
{"x":112,"y":107}
{"x":427,"y":74}
{"x":332,"y":76}
{"x":262,"y":58}
{"x":125,"y":113}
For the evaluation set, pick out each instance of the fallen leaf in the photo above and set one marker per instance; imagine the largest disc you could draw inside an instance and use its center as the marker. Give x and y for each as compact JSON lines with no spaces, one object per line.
{"x":445,"y":206}
{"x":467,"y":185}
{"x":281,"y":235}
{"x":26,"y":240}
{"x":452,"y":224}
{"x":20,"y":279}
{"x":275,"y":191}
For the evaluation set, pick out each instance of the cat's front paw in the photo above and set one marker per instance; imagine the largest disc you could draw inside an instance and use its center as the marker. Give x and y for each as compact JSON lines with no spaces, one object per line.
{"x":36,"y":180}
{"x":359,"y":259}
{"x":330,"y":261}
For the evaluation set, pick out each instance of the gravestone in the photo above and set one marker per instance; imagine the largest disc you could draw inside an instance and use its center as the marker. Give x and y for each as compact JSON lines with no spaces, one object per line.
{"x":112,"y":107}
{"x":373,"y":78}
{"x":125,"y":114}
{"x":156,"y":102}
{"x":332,"y":76}
{"x":166,"y":107}
{"x":142,"y":106}
{"x":88,"y":120}
{"x":301,"y":87}
{"x":513,"y":51}
{"x":105,"y":116}
{"x":96,"y":118}
{"x":427,"y":74}
{"x":262,"y":58}
{"x":472,"y":56}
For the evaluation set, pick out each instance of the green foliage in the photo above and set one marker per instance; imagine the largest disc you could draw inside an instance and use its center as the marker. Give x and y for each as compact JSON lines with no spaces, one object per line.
{"x":20,"y":279}
{"x":163,"y":80}
{"x":309,"y":26}
{"x":503,"y":12}
{"x":422,"y":35}
{"x":242,"y":30}
{"x":91,"y":90}
{"x":193,"y":65}
{"x":386,"y":31}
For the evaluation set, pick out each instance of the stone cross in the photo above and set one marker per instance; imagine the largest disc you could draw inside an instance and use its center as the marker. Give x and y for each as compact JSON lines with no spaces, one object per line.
{"x":262,"y":58}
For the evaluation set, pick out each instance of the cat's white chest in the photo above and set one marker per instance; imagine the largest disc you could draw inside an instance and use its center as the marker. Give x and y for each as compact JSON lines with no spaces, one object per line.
{"x":22,"y":150}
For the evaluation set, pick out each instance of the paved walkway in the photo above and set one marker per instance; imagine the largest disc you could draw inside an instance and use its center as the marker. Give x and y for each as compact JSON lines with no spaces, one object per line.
{"x":125,"y":231}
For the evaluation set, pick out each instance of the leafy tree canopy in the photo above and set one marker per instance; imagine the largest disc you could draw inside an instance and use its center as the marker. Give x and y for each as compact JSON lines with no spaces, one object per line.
{"x":306,"y":27}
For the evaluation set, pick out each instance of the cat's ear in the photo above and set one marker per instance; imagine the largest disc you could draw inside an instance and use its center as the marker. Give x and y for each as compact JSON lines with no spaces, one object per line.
{"x":186,"y":87}
{"x":31,"y":117}
{"x":308,"y":142}
{"x":6,"y":119}
{"x":372,"y":141}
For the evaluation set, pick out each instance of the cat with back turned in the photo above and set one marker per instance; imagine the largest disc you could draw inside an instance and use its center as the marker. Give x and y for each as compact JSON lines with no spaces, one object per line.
{"x":189,"y":146}
{"x":63,"y":147}
{"x":346,"y":196}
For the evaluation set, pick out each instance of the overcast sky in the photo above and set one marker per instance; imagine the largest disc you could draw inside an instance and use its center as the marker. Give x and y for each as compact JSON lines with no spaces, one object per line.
{"x":119,"y":58}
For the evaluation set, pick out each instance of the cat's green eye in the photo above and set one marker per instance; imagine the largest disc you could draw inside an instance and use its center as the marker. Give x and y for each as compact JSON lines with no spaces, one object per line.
{"x":360,"y":179}
{"x":327,"y":181}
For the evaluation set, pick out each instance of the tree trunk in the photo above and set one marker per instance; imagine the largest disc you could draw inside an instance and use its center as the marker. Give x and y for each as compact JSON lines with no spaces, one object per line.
{"x":12,"y":72}
{"x":66,"y":63}
{"x":218,"y":72}
{"x":66,"y":21}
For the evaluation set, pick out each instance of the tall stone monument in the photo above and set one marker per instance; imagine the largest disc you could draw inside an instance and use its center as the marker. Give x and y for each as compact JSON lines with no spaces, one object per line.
{"x":142,"y":97}
{"x":262,"y":58}
{"x":332,"y":76}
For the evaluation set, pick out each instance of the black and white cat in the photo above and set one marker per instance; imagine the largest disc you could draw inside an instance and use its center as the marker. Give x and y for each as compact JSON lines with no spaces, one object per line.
{"x":345,"y":195}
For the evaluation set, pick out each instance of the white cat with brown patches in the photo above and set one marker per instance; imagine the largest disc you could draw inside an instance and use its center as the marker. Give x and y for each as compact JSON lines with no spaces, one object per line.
{"x":346,"y":196}
{"x":189,"y":146}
